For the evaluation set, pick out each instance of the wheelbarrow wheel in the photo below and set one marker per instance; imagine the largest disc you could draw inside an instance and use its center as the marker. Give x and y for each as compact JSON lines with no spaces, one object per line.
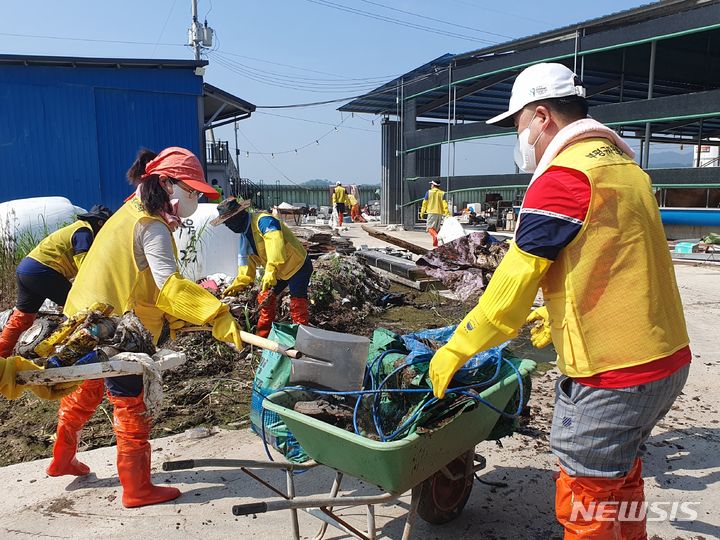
{"x":441,"y":499}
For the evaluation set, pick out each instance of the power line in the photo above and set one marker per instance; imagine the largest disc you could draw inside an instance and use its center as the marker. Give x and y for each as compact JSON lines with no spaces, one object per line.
{"x":299,"y":68}
{"x":92,"y":40}
{"x":317,"y":121}
{"x":295,"y":150}
{"x":285,"y":81}
{"x":172,"y":8}
{"x":270,"y":162}
{"x":400,"y":22}
{"x":436,"y":20}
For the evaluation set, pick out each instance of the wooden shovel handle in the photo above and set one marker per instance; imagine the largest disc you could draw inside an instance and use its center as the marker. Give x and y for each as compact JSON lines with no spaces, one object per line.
{"x":251,"y":339}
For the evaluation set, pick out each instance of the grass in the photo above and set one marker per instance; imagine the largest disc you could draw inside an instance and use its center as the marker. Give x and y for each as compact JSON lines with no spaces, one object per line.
{"x":14,"y":246}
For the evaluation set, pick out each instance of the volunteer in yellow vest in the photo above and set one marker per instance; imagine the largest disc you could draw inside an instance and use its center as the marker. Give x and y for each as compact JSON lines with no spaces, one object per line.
{"x":266,"y":241}
{"x":590,"y":235}
{"x":47,"y":270}
{"x":340,"y":201}
{"x":133,"y":266}
{"x":435,"y":207}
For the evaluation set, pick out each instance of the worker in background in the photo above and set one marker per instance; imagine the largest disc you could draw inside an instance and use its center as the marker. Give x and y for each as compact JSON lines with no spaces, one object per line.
{"x":589,"y":233}
{"x":474,"y":219}
{"x":434,"y":206}
{"x":132,"y":266}
{"x":266,"y":241}
{"x":340,"y":201}
{"x":47,"y":270}
{"x":354,"y":201}
{"x":216,"y":187}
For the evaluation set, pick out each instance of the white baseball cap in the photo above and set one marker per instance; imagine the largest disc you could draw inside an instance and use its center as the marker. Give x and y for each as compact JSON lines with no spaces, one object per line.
{"x":541,"y":81}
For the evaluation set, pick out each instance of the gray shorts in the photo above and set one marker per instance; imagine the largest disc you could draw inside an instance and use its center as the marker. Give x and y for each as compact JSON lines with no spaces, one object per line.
{"x":433,"y":222}
{"x":599,"y":432}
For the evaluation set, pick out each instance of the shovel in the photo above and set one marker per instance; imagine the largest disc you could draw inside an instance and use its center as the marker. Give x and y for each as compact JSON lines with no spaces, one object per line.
{"x":331,"y":360}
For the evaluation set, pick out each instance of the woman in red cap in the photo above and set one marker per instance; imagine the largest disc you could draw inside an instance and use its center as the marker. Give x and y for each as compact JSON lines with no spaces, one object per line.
{"x":132,"y":266}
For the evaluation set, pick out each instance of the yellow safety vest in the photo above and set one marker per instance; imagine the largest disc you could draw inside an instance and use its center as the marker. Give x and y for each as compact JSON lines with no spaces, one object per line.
{"x":611,"y":294}
{"x":56,"y":250}
{"x":110,"y":275}
{"x":352,"y":200}
{"x":295,"y":253}
{"x":434,"y":202}
{"x":339,"y":195}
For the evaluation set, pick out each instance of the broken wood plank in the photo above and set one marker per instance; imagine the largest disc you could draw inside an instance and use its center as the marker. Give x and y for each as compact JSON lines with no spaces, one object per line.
{"x":120,"y":365}
{"x":420,"y":285}
{"x":412,"y":248}
{"x":396,"y":265}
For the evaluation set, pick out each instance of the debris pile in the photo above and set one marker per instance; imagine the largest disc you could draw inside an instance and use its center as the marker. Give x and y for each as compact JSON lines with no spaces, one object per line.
{"x":343,"y":292}
{"x":465,"y":265}
{"x":320,"y":240}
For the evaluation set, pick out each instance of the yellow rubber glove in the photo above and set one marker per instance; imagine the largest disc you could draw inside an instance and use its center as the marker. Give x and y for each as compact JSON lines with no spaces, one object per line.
{"x":9,"y":367}
{"x":540,"y":334}
{"x":502,"y":309}
{"x":225,"y":328}
{"x":245,"y":278}
{"x":446,"y":209}
{"x":423,"y":208}
{"x":268,"y":280}
{"x":174,"y":324}
{"x":186,"y":300}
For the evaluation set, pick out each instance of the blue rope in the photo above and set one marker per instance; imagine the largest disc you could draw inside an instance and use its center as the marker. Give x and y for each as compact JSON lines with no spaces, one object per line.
{"x":378,"y":389}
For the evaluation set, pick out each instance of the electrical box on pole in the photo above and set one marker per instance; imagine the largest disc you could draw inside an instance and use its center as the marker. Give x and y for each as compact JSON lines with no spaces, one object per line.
{"x":200,"y":36}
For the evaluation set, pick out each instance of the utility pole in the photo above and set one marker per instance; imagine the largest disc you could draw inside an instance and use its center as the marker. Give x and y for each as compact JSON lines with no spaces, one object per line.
{"x":200,"y":36}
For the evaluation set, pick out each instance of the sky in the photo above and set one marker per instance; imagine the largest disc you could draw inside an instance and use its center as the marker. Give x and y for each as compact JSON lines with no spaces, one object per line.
{"x":298,"y":51}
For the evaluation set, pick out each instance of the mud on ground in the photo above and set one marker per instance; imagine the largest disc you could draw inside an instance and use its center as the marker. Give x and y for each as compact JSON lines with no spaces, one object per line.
{"x":211,"y":389}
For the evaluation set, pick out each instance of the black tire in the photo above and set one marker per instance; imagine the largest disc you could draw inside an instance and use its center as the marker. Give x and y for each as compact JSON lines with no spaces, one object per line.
{"x":441,"y":499}
{"x":31,"y":338}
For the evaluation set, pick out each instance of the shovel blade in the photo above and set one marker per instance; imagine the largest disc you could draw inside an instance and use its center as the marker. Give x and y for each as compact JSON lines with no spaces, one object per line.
{"x":331,"y":360}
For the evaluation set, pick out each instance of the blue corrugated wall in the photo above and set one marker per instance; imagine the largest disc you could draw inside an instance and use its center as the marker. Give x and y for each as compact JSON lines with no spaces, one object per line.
{"x":75,"y":131}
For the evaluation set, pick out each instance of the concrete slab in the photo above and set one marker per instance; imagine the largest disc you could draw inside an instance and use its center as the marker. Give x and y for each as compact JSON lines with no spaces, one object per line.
{"x":682,"y":465}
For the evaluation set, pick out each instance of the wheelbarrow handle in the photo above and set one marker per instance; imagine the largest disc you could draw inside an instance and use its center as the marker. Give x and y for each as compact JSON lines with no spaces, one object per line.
{"x":250,"y":508}
{"x":252,"y":339}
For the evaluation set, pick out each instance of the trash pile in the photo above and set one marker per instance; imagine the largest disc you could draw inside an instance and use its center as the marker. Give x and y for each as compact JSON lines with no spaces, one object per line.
{"x":465,"y":265}
{"x":343,"y":292}
{"x":320,"y":240}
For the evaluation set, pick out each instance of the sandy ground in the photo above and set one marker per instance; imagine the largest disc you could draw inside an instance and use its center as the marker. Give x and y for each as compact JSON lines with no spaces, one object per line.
{"x":682,"y":464}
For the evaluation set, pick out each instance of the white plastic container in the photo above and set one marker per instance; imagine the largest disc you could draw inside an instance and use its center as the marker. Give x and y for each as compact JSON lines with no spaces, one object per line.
{"x":204,"y":249}
{"x":38,"y":216}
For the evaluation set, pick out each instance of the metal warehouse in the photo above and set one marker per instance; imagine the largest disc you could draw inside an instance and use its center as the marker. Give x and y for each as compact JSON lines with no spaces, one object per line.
{"x":72,"y":126}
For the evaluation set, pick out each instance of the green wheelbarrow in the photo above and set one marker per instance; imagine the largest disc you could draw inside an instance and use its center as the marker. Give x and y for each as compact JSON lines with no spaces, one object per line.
{"x":438,"y":467}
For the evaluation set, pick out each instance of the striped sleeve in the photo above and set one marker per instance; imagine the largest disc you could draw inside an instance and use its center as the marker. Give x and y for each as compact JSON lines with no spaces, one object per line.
{"x":553,"y":212}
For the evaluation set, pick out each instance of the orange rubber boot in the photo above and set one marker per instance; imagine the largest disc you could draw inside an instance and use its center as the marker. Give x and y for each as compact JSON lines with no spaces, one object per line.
{"x":75,"y":410}
{"x":578,"y":505}
{"x":341,"y":218}
{"x":634,"y":526}
{"x":18,"y":322}
{"x":268,"y":302}
{"x":433,"y":233}
{"x":299,"y":310}
{"x":132,"y":429}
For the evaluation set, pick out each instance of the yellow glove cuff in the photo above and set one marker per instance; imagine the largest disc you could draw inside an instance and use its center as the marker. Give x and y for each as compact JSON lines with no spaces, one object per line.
{"x":274,"y":248}
{"x":188,"y":301}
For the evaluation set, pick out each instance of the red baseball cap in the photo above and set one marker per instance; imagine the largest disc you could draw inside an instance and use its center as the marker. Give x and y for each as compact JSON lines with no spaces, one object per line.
{"x":181,"y":164}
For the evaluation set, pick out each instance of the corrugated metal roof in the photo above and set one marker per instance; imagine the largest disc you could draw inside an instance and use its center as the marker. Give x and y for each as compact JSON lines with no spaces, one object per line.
{"x":78,"y":61}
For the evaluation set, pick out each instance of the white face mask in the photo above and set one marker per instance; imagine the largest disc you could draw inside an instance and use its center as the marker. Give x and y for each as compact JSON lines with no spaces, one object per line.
{"x":524,"y":152}
{"x":184,"y":204}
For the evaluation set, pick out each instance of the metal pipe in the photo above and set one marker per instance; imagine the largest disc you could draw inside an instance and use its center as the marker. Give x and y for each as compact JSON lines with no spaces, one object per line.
{"x":236,"y":463}
{"x":699,"y":144}
{"x":298,"y":503}
{"x":290,"y":481}
{"x":333,"y":493}
{"x":651,"y":83}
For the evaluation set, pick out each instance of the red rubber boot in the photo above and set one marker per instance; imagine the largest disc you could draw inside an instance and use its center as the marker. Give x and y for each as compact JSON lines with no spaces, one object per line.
{"x":268,"y":302}
{"x":132,"y":429}
{"x":633,"y":493}
{"x":18,"y":322}
{"x":433,"y":233}
{"x":75,"y":410}
{"x":299,"y":310}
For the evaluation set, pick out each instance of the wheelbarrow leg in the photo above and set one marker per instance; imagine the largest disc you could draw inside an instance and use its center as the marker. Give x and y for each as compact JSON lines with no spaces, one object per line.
{"x":412,"y":513}
{"x":333,"y":493}
{"x":371,"y":521}
{"x":293,"y":512}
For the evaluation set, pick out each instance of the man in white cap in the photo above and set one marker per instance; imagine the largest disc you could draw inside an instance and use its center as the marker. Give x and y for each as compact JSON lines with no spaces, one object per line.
{"x":590,"y":235}
{"x":435,"y":207}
